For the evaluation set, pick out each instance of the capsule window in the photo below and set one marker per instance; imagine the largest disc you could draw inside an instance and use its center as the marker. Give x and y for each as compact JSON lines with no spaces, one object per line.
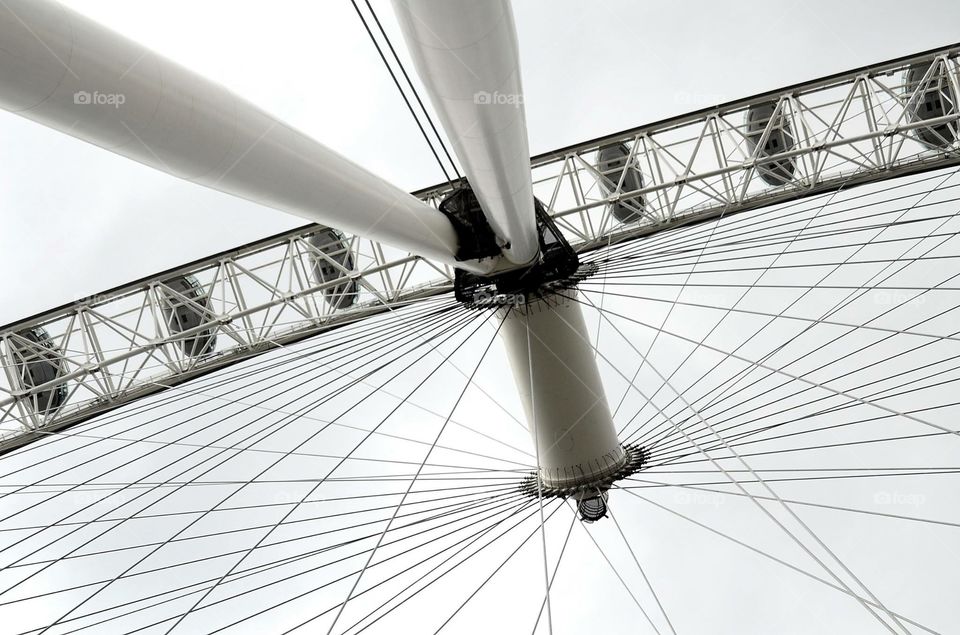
{"x":37,"y":362}
{"x":612,"y":166}
{"x":335,"y":246}
{"x":759,"y":118}
{"x":937,"y":100}
{"x":185,"y":306}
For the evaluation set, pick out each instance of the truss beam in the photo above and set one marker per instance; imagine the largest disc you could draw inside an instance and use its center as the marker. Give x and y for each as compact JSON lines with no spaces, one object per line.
{"x":857,"y":127}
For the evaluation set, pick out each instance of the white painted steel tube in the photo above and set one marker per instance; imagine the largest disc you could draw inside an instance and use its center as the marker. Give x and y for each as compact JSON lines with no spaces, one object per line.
{"x":65,"y":71}
{"x":565,"y":405}
{"x":466,"y":54}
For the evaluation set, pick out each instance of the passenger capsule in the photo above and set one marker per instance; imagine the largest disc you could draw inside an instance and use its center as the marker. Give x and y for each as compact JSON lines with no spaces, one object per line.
{"x":936,"y":100}
{"x":780,"y":139}
{"x":188,"y":308}
{"x":611,"y":160}
{"x":37,"y":361}
{"x":336,"y":247}
{"x":592,"y":506}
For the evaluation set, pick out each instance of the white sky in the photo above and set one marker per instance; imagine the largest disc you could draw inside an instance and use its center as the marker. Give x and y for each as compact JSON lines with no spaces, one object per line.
{"x":76,"y":219}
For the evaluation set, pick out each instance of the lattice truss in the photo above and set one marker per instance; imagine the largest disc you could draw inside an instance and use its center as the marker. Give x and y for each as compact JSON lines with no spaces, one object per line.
{"x":123,"y":344}
{"x":802,"y":357}
{"x":866,"y":125}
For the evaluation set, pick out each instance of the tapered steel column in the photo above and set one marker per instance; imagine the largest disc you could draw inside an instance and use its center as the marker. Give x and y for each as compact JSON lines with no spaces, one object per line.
{"x":467,"y":56}
{"x":63,"y":70}
{"x":555,"y":370}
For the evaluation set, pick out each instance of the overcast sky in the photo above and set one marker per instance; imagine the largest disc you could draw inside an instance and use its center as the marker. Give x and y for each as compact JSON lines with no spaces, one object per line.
{"x":77,"y":219}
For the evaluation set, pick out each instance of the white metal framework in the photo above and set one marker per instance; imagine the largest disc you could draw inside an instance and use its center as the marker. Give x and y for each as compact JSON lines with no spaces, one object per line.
{"x":865,"y":125}
{"x":472,"y":74}
{"x":791,"y":371}
{"x":66,"y":71}
{"x":707,"y":297}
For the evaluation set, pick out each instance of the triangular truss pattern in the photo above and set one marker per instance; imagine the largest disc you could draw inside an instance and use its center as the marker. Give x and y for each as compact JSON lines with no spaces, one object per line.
{"x":869,"y":124}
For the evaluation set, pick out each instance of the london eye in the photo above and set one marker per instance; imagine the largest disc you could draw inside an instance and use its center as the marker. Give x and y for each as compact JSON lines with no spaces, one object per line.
{"x":694,"y":375}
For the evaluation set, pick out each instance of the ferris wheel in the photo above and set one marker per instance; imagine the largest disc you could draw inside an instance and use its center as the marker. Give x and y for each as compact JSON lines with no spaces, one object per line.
{"x":578,"y":392}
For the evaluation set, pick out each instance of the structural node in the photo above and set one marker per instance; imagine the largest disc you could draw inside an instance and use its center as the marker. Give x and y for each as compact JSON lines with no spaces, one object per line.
{"x":590,"y":495}
{"x":554,"y":366}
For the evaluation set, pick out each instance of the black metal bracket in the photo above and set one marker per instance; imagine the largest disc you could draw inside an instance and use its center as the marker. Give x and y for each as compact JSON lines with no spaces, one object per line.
{"x":556,"y":266}
{"x":475,"y":237}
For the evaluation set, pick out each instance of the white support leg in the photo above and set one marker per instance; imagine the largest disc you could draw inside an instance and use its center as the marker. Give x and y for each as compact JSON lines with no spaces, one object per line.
{"x":574,"y":431}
